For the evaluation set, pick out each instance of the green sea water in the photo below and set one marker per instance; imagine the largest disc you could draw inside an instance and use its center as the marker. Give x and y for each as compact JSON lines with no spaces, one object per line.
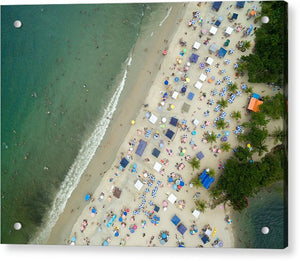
{"x":58,"y":73}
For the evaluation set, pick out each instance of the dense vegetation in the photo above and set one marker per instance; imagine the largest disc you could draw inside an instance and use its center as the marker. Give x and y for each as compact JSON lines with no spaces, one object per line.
{"x":268,"y":63}
{"x":243,"y":178}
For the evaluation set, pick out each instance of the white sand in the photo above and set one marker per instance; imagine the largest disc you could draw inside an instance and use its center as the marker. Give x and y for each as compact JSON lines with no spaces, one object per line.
{"x":130,"y":197}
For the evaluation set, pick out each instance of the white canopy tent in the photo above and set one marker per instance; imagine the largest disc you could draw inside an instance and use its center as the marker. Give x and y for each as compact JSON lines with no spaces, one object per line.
{"x":157,"y":166}
{"x":229,"y":30}
{"x":198,"y":85}
{"x":196,"y":122}
{"x":196,"y":213}
{"x":209,"y":60}
{"x":202,"y":77}
{"x":213,"y":30}
{"x":172,"y":198}
{"x":153,"y":118}
{"x":175,"y":95}
{"x":196,"y":45}
{"x":138,"y":184}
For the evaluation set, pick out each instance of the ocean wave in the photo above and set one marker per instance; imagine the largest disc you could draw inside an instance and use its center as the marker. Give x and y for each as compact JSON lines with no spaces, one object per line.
{"x":166,"y":17}
{"x":81,"y":162}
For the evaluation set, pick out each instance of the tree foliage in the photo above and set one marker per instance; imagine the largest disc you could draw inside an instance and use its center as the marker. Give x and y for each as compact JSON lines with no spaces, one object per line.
{"x":195,"y":163}
{"x":273,"y":106}
{"x":220,"y":124}
{"x":223,"y":103}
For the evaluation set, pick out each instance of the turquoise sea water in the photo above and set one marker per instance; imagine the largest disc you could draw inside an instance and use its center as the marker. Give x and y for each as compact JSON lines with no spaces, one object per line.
{"x":268,"y":208}
{"x":58,"y":75}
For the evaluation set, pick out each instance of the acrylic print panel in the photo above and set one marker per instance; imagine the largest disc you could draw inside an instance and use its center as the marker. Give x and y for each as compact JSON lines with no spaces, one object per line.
{"x":156,"y":124}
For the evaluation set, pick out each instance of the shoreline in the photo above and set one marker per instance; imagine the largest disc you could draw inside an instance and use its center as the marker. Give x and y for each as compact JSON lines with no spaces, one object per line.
{"x":91,"y":177}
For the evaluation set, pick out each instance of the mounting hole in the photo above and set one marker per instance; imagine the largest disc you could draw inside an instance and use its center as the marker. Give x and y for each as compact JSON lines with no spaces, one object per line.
{"x":265,"y":230}
{"x":17,"y":226}
{"x":265,"y":19}
{"x":17,"y":24}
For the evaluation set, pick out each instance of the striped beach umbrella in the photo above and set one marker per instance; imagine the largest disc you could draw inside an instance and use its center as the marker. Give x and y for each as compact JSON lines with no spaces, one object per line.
{"x":201,"y":65}
{"x":231,"y":51}
{"x":223,"y":71}
{"x":244,"y":87}
{"x":219,"y":82}
{"x":227,"y":78}
{"x":230,"y":82}
{"x":227,"y":61}
{"x":208,"y":70}
{"x":236,"y":65}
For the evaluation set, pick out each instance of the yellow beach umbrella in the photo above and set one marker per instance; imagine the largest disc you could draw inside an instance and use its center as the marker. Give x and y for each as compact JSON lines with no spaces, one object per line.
{"x":187,"y":80}
{"x":248,"y":145}
{"x":132,"y":122}
{"x":172,"y":106}
{"x":183,"y":151}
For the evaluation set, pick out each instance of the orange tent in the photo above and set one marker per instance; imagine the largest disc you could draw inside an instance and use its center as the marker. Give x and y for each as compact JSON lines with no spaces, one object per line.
{"x":254,"y":104}
{"x":252,"y":12}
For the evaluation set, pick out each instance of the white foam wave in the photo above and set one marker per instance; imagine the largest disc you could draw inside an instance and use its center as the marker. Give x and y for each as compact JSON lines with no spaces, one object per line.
{"x":166,"y":17}
{"x":81,"y":162}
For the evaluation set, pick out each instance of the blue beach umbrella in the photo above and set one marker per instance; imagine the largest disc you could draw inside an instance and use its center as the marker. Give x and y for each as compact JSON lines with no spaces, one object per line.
{"x":73,"y":239}
{"x":219,"y":82}
{"x":208,"y":70}
{"x":105,"y":243}
{"x":202,"y":65}
{"x":224,"y":138}
{"x":174,"y":186}
{"x":117,"y":234}
{"x":193,"y":132}
{"x":227,"y":61}
{"x":231,"y":51}
{"x":227,"y":78}
{"x":176,"y":79}
{"x":183,"y":89}
{"x":236,"y":65}
{"x":227,"y":133}
{"x":166,"y":82}
{"x":87,"y":197}
{"x":164,"y":235}
{"x":181,"y":183}
{"x":223,"y":71}
{"x":170,"y":179}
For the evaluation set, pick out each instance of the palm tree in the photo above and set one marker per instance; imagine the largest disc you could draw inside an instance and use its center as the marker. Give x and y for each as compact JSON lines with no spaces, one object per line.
{"x":196,"y":182}
{"x":223,"y":103}
{"x":278,"y":135}
{"x":212,"y":173}
{"x":241,"y":68}
{"x":201,"y":205}
{"x":211,"y":138}
{"x":232,"y":87}
{"x":249,"y":89}
{"x":246,"y":45}
{"x":226,"y":146}
{"x":236,"y":115}
{"x":220,"y":124}
{"x":195,"y":163}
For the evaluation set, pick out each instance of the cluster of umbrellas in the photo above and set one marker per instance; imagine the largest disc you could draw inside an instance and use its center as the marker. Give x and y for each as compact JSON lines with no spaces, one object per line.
{"x":133,"y":228}
{"x":223,"y":115}
{"x":231,"y":99}
{"x":193,"y":230}
{"x":178,"y":182}
{"x":163,"y":237}
{"x":154,"y":191}
{"x":155,"y":220}
{"x":238,"y":129}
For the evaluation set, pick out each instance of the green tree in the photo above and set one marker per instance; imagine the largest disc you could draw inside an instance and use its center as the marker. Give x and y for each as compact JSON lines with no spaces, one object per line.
{"x":223,"y":103}
{"x":195,"y":163}
{"x":249,"y":90}
{"x":242,"y":67}
{"x":246,"y":45}
{"x":220,"y":124}
{"x":211,"y":137}
{"x":197,"y":182}
{"x":236,"y":115}
{"x":201,"y":205}
{"x":274,"y":112}
{"x":232,"y":87}
{"x":212,"y":173}
{"x":277,"y":135}
{"x":243,"y":154}
{"x":226,"y":146}
{"x":259,"y":118}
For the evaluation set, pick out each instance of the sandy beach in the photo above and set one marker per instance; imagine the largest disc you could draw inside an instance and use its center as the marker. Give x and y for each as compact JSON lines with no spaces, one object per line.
{"x":142,"y":212}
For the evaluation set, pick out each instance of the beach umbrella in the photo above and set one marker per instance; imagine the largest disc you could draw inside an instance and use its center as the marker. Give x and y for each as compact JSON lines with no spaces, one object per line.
{"x":120,"y":219}
{"x":73,"y":239}
{"x":227,"y":77}
{"x":244,"y":86}
{"x":183,"y":89}
{"x":213,"y":78}
{"x":202,"y":65}
{"x":184,"y":50}
{"x":230,"y":83}
{"x":187,"y":80}
{"x":193,"y":21}
{"x":87,"y":197}
{"x":220,"y":244}
{"x":223,"y":71}
{"x":200,"y":20}
{"x":236,"y":65}
{"x":208,"y":70}
{"x":164,"y":235}
{"x":132,"y":122}
{"x":265,"y":19}
{"x":181,"y":183}
{"x":227,"y":61}
{"x":224,"y":138}
{"x":203,"y":31}
{"x":163,"y":120}
{"x":162,"y":242}
{"x":193,"y":132}
{"x":166,"y":82}
{"x":17,"y":226}
{"x":174,"y":186}
{"x":231,"y":51}
{"x":227,"y":133}
{"x":176,"y":79}
{"x":172,"y":106}
{"x":116,"y":234}
{"x":105,"y":243}
{"x":219,"y":82}
{"x":164,"y":52}
{"x":186,"y":68}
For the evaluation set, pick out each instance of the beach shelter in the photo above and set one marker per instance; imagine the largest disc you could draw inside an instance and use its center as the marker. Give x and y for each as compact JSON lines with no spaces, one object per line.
{"x":222,"y":52}
{"x":153,"y":118}
{"x":182,"y":229}
{"x":209,"y":60}
{"x":174,"y":95}
{"x":213,"y":30}
{"x":196,"y":122}
{"x":194,"y":58}
{"x":198,"y":85}
{"x":202,"y":77}
{"x":234,"y":16}
{"x":185,"y":107}
{"x":172,"y":198}
{"x":173,"y":121}
{"x":170,"y":134}
{"x":157,"y":166}
{"x":138,"y":185}
{"x":207,"y":181}
{"x":141,"y":148}
{"x":117,"y":192}
{"x":254,"y":104}
{"x":204,"y":239}
{"x":190,"y":96}
{"x":155,"y":152}
{"x":229,"y":30}
{"x":213,"y":47}
{"x":156,"y":208}
{"x":208,"y":232}
{"x":240,"y":4}
{"x":217,"y":23}
{"x":196,"y":213}
{"x":124,"y":162}
{"x":175,"y":220}
{"x":196,"y":45}
{"x":216,"y":6}
{"x":200,"y":155}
